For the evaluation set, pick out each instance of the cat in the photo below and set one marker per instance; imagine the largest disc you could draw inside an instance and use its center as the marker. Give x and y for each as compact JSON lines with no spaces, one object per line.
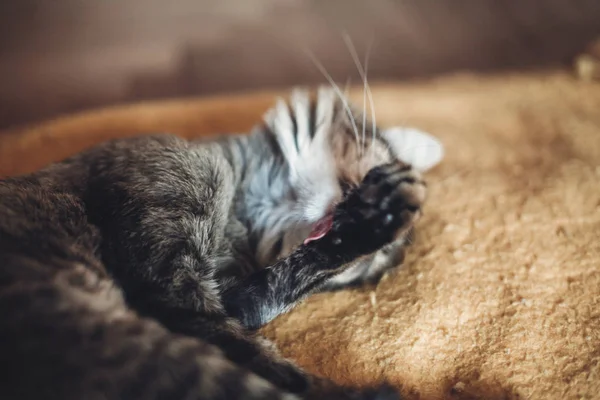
{"x":142,"y":267}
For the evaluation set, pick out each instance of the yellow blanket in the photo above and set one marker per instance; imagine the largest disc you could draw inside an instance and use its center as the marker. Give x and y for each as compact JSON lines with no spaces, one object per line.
{"x":499,"y":296}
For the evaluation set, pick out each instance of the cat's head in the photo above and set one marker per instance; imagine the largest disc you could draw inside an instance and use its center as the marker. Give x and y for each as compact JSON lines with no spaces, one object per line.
{"x":330,"y":146}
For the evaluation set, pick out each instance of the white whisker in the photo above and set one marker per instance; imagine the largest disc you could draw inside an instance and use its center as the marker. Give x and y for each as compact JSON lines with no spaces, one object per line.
{"x":337,"y":90}
{"x":371,"y":102}
{"x":352,"y":50}
{"x":366,"y":88}
{"x":347,"y":87}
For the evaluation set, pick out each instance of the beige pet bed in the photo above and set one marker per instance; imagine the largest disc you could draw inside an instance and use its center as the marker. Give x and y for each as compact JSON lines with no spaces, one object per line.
{"x":500,"y":294}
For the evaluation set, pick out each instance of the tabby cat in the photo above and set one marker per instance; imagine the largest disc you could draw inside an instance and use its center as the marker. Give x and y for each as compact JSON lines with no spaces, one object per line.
{"x":141,"y":268}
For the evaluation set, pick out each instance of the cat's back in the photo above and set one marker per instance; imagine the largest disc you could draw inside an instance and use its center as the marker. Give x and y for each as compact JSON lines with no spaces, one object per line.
{"x":59,"y":210}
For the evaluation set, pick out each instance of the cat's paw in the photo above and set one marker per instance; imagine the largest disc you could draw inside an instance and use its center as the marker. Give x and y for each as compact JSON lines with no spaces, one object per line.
{"x":281,"y":373}
{"x":383,"y":208}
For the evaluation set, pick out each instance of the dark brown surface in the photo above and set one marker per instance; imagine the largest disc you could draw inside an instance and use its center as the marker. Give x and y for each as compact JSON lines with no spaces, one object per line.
{"x":60,"y":56}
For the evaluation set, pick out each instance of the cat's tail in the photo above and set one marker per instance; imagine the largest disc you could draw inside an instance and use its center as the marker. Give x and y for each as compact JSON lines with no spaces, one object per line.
{"x":383,"y":392}
{"x":330,"y":391}
{"x":66,"y":333}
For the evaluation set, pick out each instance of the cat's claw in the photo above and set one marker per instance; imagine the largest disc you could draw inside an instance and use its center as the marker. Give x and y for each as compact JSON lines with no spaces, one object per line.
{"x":383,"y":207}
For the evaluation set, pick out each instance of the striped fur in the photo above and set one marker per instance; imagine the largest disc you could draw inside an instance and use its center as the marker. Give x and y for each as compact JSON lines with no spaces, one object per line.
{"x":140,"y":268}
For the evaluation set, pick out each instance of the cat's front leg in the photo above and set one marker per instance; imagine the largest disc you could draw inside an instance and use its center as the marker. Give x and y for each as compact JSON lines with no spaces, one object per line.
{"x":383,"y":208}
{"x":370,"y":270}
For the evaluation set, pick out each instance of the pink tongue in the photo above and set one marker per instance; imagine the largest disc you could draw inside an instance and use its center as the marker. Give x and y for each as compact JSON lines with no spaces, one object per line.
{"x":320,"y":229}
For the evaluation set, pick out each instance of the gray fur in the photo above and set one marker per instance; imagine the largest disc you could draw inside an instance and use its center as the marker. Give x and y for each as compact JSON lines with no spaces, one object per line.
{"x":139,"y":268}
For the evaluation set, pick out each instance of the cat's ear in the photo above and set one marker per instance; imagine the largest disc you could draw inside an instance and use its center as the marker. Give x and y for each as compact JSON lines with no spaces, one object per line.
{"x":414,"y":147}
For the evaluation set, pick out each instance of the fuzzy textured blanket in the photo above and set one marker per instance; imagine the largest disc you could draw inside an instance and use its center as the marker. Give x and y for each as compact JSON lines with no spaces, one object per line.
{"x":499,"y":296}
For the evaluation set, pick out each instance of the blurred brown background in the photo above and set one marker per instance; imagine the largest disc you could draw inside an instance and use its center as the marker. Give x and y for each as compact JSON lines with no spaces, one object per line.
{"x":67,"y":55}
